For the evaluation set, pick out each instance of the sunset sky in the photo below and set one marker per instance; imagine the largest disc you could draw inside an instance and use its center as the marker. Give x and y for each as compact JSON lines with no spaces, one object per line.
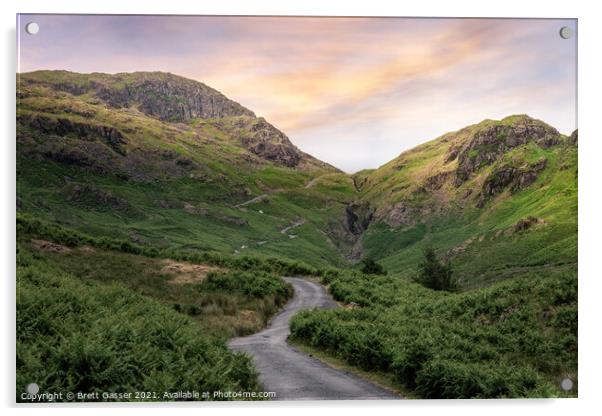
{"x":354,"y":92}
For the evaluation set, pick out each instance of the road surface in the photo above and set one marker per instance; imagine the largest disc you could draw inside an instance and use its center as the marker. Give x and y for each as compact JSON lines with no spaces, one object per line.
{"x":291,"y":374}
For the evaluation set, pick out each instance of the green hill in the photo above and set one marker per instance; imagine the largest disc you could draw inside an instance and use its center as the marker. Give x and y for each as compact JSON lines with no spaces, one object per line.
{"x":95,"y":154}
{"x":494,"y":198}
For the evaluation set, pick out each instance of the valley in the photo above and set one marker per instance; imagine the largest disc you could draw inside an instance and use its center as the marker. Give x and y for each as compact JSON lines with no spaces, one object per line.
{"x":128,"y":183}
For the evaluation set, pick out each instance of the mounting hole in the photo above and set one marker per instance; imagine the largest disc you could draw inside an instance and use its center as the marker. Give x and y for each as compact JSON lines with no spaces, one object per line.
{"x":566,"y":32}
{"x":32,"y":388}
{"x":32,"y":28}
{"x":566,"y":384}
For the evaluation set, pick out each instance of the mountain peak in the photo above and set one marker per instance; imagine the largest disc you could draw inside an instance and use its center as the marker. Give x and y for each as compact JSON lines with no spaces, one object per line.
{"x":163,"y":95}
{"x":469,"y":167}
{"x":176,"y":104}
{"x":484,"y":143}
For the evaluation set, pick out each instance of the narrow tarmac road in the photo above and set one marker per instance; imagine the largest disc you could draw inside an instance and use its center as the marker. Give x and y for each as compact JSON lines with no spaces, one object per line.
{"x":291,"y":374}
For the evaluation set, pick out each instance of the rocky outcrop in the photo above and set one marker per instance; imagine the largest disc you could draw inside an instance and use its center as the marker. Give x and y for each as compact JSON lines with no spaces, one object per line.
{"x":194,"y":210}
{"x":452,"y":154}
{"x":358,"y":216}
{"x":98,"y":148}
{"x":573,"y":139}
{"x":67,"y":127}
{"x":507,"y":176}
{"x":95,"y":199}
{"x":435,"y":182}
{"x":173,"y":99}
{"x":454,"y":251}
{"x":91,"y":156}
{"x":488,"y":144}
{"x":162,"y":95}
{"x":241,"y":222}
{"x":400,"y":214}
{"x":346,"y":233}
{"x":267,"y":142}
{"x":526,"y":223}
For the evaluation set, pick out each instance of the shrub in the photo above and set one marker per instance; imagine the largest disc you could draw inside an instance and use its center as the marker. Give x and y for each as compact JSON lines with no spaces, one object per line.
{"x":329,"y":275}
{"x":370,"y":266}
{"x":434,"y":274}
{"x":255,"y":284}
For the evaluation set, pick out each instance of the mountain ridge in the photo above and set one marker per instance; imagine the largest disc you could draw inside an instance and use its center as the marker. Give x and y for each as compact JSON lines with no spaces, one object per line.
{"x":242,"y":180}
{"x":165,"y":97}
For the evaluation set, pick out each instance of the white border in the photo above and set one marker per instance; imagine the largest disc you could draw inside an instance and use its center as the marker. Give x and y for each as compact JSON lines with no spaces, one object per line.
{"x":590,"y":182}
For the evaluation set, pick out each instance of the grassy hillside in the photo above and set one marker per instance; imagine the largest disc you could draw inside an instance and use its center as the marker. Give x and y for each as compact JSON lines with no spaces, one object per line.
{"x":231,"y":182}
{"x":78,"y":335}
{"x":225,"y":303}
{"x":515,"y":212}
{"x":105,"y":315}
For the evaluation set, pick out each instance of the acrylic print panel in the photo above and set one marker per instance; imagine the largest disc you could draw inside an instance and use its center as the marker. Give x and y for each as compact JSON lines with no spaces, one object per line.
{"x":294,"y":208}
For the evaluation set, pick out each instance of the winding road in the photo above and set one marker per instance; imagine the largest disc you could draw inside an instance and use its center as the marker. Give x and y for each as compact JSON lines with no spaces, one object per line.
{"x":293,"y":375}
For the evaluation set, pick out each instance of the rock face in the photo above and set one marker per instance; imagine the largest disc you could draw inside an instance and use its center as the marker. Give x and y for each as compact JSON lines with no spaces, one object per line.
{"x":267,"y":142}
{"x":432,"y":183}
{"x":515,"y":178}
{"x":95,"y":199}
{"x":358,"y":217}
{"x":173,"y":98}
{"x":97,"y":148}
{"x":162,"y":95}
{"x":573,"y":139}
{"x":400,"y":214}
{"x":489,"y":144}
{"x":347,"y":232}
{"x":65,"y":127}
{"x":526,"y":223}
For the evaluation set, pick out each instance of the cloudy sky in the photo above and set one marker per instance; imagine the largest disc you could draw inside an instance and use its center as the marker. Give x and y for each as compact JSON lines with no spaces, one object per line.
{"x":354,"y":92}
